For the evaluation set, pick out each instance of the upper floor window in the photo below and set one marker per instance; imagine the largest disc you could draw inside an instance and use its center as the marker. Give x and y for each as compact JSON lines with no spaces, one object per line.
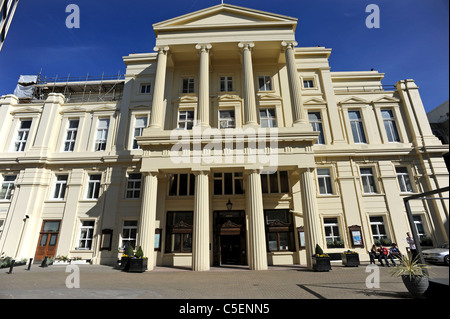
{"x":357,"y":126}
{"x":188,"y":85}
{"x":325,"y":181}
{"x":404,"y":180}
{"x":265,"y":83}
{"x":185,"y":120}
{"x":102,"y":134}
{"x":71,"y":135}
{"x":277,"y":182}
{"x":94,"y":186}
{"x":308,"y":84}
{"x":227,"y":119}
{"x":316,"y":121}
{"x":140,"y":123}
{"x":390,"y":126}
{"x":134,"y":185}
{"x":228,"y":183}
{"x":267,"y":117}
{"x":7,"y":187}
{"x":60,"y":187}
{"x":181,"y":184}
{"x":145,"y":88}
{"x":226,"y":83}
{"x":22,"y":135}
{"x":368,"y":180}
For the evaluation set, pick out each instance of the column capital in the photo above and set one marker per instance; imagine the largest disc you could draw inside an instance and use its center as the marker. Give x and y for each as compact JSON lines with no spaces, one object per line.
{"x":246,"y":45}
{"x":291,"y":44}
{"x":161,"y":49}
{"x":203,"y":47}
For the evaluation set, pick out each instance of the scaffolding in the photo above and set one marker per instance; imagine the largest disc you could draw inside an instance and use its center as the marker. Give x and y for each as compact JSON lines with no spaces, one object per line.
{"x":80,"y":89}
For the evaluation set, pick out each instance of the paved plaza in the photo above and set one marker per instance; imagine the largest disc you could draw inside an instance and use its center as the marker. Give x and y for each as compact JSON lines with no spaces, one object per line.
{"x":279,"y":282}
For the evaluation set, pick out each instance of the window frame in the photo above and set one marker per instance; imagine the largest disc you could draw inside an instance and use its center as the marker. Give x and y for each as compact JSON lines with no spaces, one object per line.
{"x":133,"y":189}
{"x":131,"y":229}
{"x":277,"y":227}
{"x":20,"y":142}
{"x":267,"y":183}
{"x":317,"y":126}
{"x":145,"y":88}
{"x":368,"y":179}
{"x":268,"y":118}
{"x":325,"y":177}
{"x":333,"y":227}
{"x":73,"y":132}
{"x":136,"y":128}
{"x":101,"y":143}
{"x":236,"y":177}
{"x":227,"y":81}
{"x":403,"y":183}
{"x":190,"y":184}
{"x":358,"y":124}
{"x":227,"y":119}
{"x":267,"y":85}
{"x":311,"y":80}
{"x":87,"y":239}
{"x":391,"y":122}
{"x":378,"y":236}
{"x":182,"y":229}
{"x":96,"y":186}
{"x":10,"y":185}
{"x":190,"y":85}
{"x":186,"y":120}
{"x":60,"y":186}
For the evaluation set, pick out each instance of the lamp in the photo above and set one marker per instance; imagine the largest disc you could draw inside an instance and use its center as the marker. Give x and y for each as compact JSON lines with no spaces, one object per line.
{"x":229,"y":205}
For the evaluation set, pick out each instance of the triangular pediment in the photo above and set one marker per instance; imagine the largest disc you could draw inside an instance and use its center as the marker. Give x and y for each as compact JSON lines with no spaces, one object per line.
{"x":354,"y":99}
{"x":386,"y":99}
{"x":223,"y":15}
{"x":315,"y":101}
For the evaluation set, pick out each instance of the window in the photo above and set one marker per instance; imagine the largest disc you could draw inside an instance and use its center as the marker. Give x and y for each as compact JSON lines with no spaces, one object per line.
{"x":316,"y":121}
{"x":179,"y":232}
{"x":308,"y":84}
{"x":71,"y":135}
{"x":145,"y":88}
{"x":102,"y":134}
{"x":277,"y":182}
{"x":7,"y":187}
{"x":188,"y":85}
{"x":378,"y":229}
{"x":227,"y":119}
{"x":357,"y":127}
{"x":226,"y":84}
{"x":140,"y":123}
{"x":265,"y":83}
{"x":268,"y":118}
{"x":332,"y":236}
{"x":86,"y":235}
{"x":324,"y":179}
{"x":228,"y":183}
{"x":419,"y":226}
{"x":185,"y":120}
{"x":279,"y":230}
{"x":22,"y":135}
{"x":60,"y":187}
{"x":93,"y":186}
{"x":368,"y":180}
{"x":404,"y":180}
{"x":129,"y":232}
{"x":181,"y":184}
{"x":134,"y":185}
{"x":390,"y":126}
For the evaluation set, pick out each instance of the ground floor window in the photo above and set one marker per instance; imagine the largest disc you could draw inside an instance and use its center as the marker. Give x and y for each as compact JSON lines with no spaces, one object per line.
{"x":279,"y":230}
{"x":332,"y":235}
{"x":86,"y":234}
{"x":378,"y":227}
{"x":129,"y":232}
{"x":179,"y":232}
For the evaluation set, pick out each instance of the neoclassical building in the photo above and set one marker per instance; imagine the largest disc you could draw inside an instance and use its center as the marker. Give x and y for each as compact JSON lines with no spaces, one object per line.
{"x":230,"y":144}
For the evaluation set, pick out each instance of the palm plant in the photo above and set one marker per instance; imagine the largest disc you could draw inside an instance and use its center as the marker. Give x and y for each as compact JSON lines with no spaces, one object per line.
{"x":409,"y":266}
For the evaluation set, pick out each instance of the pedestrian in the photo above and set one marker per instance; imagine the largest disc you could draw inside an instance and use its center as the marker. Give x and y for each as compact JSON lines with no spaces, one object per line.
{"x":373,"y":254}
{"x":412,"y":245}
{"x":384,"y":253}
{"x":395,"y":252}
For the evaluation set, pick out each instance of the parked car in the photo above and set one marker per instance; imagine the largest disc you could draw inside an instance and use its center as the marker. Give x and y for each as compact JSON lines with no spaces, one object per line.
{"x":437,"y":255}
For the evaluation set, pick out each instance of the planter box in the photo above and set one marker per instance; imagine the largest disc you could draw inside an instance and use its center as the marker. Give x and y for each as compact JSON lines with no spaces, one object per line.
{"x":321,"y":263}
{"x":350,"y":260}
{"x":123,"y":262}
{"x":60,"y":263}
{"x":78,"y":262}
{"x":136,"y":265}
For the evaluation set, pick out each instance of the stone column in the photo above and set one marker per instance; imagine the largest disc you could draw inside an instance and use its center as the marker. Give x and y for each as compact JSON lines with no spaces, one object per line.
{"x":298,"y":112}
{"x":310,"y":213}
{"x":257,"y":253}
{"x":203,"y":85}
{"x":147,"y":222}
{"x":156,"y":120}
{"x":200,"y":240}
{"x":251,"y":115}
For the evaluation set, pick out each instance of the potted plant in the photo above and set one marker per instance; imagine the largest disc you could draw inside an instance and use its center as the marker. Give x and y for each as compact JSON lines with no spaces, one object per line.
{"x":350,"y":258}
{"x":321,"y":261}
{"x":414,"y":275}
{"x":61,"y":260}
{"x":128,"y":253}
{"x":138,"y":263}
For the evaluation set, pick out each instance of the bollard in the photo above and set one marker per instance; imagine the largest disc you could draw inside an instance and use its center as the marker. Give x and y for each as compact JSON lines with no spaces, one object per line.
{"x":44,"y":262}
{"x":11,"y":267}
{"x":29,"y":265}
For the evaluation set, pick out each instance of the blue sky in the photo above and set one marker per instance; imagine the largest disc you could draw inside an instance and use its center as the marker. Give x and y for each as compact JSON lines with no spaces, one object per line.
{"x":411,"y":43}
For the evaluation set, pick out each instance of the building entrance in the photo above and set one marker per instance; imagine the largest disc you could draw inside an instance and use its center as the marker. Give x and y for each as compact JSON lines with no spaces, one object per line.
{"x":229,"y":238}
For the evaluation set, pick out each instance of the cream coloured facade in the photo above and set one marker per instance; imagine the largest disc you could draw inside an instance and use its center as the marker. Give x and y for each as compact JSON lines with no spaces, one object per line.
{"x":193,"y":127}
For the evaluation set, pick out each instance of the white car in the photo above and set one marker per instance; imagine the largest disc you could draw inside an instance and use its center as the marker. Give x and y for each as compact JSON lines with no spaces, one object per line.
{"x":437,"y":255}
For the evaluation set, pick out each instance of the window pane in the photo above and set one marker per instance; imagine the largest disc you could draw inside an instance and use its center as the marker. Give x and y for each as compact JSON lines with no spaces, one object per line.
{"x":218,"y":187}
{"x":284,"y":182}
{"x":273,"y":241}
{"x":228,"y":183}
{"x":191,"y":184}
{"x":238,"y":186}
{"x":273,"y":179}
{"x":264,"y":185}
{"x":51,"y":226}
{"x":173,"y":182}
{"x":183,"y":184}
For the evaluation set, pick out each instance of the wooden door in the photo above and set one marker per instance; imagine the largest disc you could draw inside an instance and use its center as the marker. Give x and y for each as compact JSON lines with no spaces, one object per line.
{"x":48,"y":239}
